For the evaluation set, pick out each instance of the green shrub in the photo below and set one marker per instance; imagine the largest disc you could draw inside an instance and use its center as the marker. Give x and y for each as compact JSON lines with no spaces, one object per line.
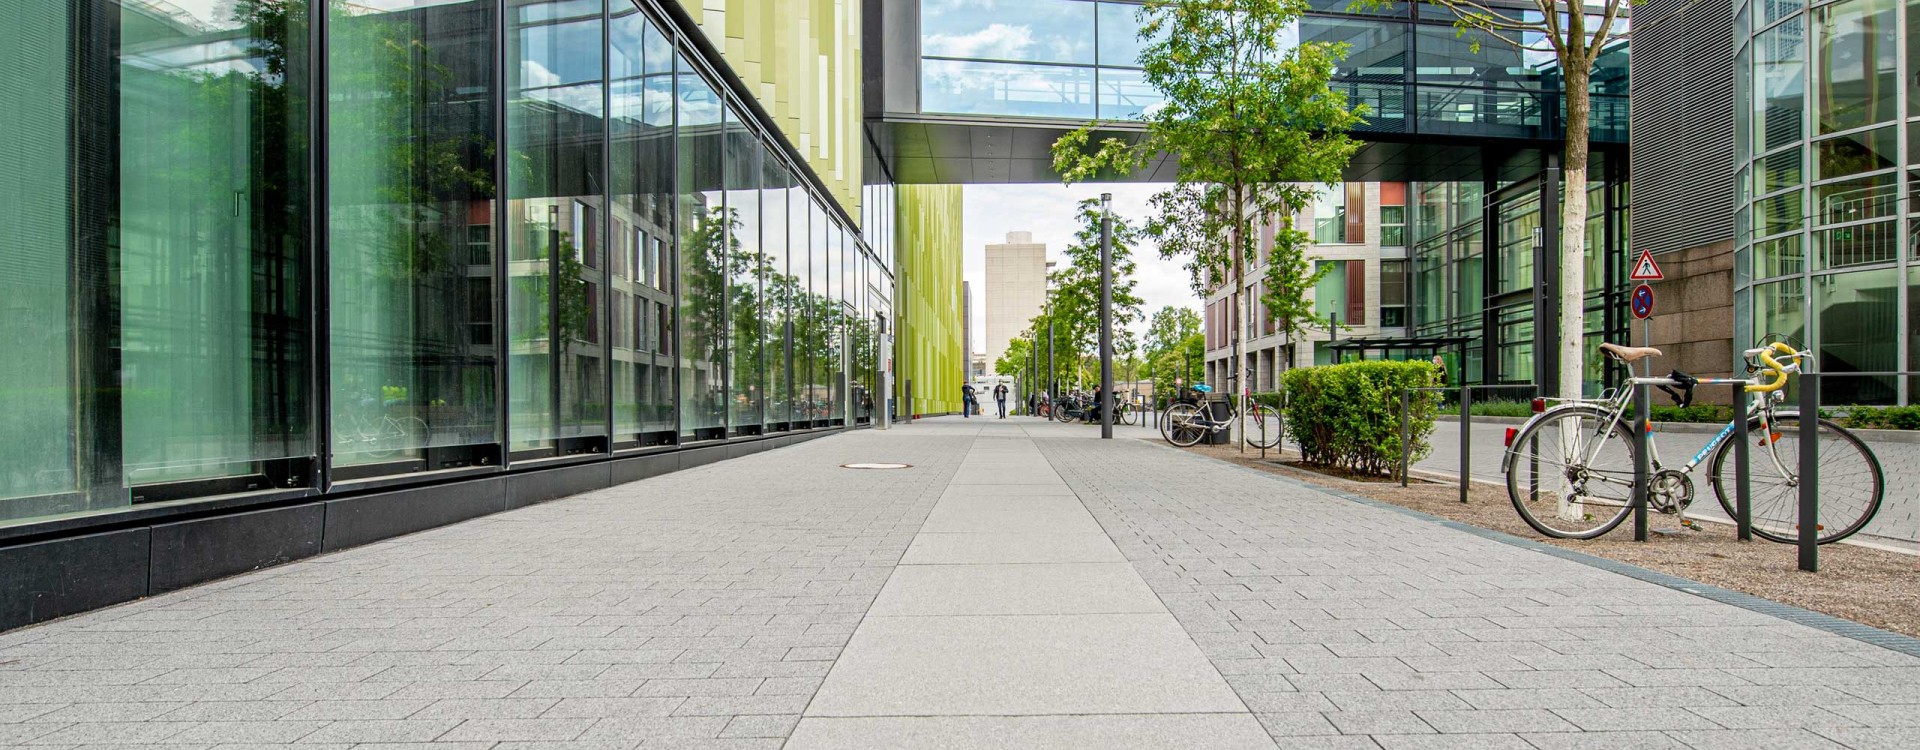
{"x":1496,"y":408}
{"x":1348,"y":415}
{"x":1884,"y":417}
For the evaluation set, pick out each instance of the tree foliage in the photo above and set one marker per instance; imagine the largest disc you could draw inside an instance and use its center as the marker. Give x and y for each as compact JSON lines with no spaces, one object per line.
{"x":1255,"y":125}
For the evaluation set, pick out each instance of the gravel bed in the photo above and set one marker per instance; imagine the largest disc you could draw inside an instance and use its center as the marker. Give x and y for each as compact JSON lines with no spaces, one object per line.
{"x":1869,"y":586}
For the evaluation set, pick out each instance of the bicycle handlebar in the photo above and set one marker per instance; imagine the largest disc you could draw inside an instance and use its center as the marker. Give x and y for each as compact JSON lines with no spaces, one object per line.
{"x":1773,"y":367}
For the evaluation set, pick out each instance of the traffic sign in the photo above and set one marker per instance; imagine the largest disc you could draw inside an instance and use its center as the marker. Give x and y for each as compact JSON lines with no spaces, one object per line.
{"x":1645,"y":269}
{"x":1642,"y":302}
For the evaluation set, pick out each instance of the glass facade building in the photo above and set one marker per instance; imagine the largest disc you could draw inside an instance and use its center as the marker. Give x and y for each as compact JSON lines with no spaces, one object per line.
{"x":279,"y":248}
{"x":1826,"y":230}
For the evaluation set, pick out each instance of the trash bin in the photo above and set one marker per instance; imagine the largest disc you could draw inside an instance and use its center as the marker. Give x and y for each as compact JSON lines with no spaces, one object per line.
{"x":1219,"y":410}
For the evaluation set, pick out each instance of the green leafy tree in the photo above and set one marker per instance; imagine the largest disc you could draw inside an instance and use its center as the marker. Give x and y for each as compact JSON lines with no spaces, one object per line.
{"x":1251,"y":117}
{"x":1576,"y":40}
{"x":1076,"y":297}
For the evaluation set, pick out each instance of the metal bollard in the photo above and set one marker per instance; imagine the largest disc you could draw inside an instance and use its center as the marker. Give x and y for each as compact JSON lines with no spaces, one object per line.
{"x":1742,"y":465}
{"x":1809,"y":517}
{"x":1466,"y":439}
{"x":1406,"y":434}
{"x":1642,"y":463}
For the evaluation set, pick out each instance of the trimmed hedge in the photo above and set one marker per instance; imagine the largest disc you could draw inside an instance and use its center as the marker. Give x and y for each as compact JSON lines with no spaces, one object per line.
{"x":1348,"y":415}
{"x":1884,"y":417}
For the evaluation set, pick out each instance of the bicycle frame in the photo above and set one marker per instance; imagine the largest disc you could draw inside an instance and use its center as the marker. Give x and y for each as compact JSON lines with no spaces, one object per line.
{"x":1763,"y":395}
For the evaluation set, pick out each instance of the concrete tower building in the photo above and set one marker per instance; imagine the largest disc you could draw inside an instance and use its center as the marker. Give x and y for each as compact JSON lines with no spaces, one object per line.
{"x":1016,"y":290}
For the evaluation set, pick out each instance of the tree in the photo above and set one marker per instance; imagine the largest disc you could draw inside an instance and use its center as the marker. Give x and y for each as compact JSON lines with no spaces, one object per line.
{"x":1170,"y":326}
{"x":1575,"y":47}
{"x":1076,"y":287}
{"x":1250,"y":118}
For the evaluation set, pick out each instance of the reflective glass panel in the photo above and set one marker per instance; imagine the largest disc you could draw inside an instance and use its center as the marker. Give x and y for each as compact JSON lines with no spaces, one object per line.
{"x":1125,"y":94}
{"x":1779,"y":86}
{"x":1778,"y":171}
{"x":1857,"y":315}
{"x":41,"y":470}
{"x":411,"y":227}
{"x":1860,"y":151}
{"x":747,"y":372}
{"x":640,"y":64}
{"x":1858,"y":63}
{"x":555,"y":234}
{"x":211,"y":232}
{"x":703,"y":257}
{"x":1120,"y":42}
{"x":778,"y":287}
{"x":1031,"y":30}
{"x":1859,"y":244}
{"x":963,"y":87}
{"x":1779,"y":257}
{"x":1856,"y":199}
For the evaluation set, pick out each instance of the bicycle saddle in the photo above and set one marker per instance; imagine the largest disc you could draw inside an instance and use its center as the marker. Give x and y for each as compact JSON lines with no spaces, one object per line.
{"x":1629,"y":354}
{"x":1203,"y":387}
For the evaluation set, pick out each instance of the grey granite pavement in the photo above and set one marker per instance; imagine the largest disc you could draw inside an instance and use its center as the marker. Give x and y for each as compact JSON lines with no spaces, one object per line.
{"x":1023,"y":585}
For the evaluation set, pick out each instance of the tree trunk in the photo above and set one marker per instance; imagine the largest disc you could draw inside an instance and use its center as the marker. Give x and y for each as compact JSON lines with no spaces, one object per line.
{"x":1573,"y":230}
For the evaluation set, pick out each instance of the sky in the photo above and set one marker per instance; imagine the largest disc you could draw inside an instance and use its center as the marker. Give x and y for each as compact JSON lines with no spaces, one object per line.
{"x":1047,"y":210}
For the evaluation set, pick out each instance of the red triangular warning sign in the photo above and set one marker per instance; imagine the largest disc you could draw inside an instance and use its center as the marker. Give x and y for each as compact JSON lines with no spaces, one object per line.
{"x":1645,"y":269}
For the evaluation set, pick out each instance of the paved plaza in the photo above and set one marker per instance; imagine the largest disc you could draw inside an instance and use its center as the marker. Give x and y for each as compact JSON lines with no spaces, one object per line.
{"x":1022,"y":585}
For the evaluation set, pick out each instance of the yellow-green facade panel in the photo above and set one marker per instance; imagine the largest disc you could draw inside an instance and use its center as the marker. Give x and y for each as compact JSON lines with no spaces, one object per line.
{"x":928,"y":243}
{"x":801,"y":58}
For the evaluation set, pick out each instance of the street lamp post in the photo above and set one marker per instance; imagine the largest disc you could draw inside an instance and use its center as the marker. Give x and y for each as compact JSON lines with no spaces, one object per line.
{"x":1106,"y":316}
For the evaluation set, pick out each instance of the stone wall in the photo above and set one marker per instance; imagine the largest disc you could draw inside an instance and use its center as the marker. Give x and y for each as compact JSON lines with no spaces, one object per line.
{"x":1693,"y":315}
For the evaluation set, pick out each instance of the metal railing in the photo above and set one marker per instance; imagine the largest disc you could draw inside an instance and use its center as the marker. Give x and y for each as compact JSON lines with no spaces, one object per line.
{"x":1466,"y":425}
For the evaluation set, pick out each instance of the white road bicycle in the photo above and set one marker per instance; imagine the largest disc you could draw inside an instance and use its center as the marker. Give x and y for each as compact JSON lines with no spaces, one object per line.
{"x":1570,"y":468}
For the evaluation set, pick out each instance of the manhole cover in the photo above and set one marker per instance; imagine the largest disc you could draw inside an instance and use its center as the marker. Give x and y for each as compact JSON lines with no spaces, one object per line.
{"x":876,"y":466}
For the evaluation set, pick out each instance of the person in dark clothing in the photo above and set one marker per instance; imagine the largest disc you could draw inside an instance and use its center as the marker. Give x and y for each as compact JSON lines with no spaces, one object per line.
{"x":1000,"y":397}
{"x":968,"y":402}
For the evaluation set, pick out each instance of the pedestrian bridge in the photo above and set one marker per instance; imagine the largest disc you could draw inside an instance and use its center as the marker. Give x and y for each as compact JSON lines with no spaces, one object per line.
{"x":955,"y":95}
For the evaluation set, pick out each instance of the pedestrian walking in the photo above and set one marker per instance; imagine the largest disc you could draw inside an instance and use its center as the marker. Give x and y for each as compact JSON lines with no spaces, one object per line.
{"x":1000,"y":396}
{"x":968,"y":402}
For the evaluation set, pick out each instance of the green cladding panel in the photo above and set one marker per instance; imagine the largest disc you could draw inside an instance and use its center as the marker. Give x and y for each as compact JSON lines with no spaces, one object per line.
{"x":928,"y":245}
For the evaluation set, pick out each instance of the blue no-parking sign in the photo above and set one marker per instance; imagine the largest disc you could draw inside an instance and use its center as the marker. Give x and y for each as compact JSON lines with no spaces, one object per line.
{"x":1642,"y":302}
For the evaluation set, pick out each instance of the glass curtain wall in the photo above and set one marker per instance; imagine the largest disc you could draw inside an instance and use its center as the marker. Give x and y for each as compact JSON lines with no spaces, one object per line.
{"x":410,"y":233}
{"x":641,"y":268}
{"x":701,"y":118}
{"x":1819,"y":255}
{"x":165,"y":301}
{"x":556,"y":151}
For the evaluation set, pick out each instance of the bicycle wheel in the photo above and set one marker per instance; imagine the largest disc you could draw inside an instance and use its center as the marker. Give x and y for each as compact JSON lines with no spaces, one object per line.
{"x":1185,"y":426}
{"x":1261,"y":425}
{"x":1570,"y":473}
{"x":1851,"y":483}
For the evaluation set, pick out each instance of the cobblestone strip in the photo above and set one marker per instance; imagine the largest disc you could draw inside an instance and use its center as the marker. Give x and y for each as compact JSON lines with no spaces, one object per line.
{"x":1345,"y":625}
{"x":698,"y":609}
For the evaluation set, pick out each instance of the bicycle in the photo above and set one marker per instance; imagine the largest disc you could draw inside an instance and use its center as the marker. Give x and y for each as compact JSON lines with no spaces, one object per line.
{"x":1581,"y":487}
{"x":384,"y":439}
{"x":1185,"y":423}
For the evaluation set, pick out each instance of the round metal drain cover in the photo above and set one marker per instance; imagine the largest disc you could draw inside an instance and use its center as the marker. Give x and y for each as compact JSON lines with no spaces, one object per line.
{"x":876,"y":466}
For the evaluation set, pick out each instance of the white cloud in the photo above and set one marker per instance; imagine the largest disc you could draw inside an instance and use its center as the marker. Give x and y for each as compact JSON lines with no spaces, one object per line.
{"x":997,"y":41}
{"x":1049,"y":212}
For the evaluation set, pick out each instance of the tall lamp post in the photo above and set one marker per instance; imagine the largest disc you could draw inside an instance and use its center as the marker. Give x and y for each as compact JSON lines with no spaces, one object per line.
{"x":1106,"y":316}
